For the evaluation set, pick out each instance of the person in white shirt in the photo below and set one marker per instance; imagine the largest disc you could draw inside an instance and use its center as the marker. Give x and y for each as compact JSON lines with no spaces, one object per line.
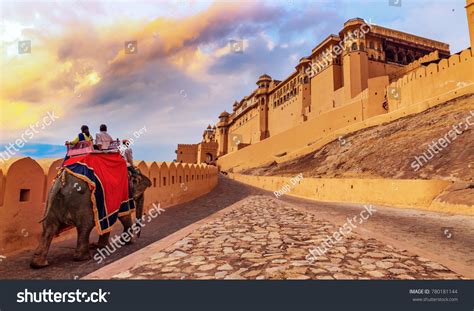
{"x":103,"y":139}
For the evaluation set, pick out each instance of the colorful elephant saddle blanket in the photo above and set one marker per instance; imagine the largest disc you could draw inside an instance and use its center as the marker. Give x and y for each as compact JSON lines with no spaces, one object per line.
{"x":107,"y":177}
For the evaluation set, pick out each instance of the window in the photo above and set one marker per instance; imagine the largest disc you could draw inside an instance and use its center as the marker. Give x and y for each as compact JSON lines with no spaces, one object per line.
{"x":24,"y":195}
{"x":154,"y":182}
{"x":354,"y":46}
{"x":172,"y":180}
{"x":164,"y":181}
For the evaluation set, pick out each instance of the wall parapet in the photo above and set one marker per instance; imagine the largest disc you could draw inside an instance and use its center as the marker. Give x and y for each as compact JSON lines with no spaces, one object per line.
{"x":417,"y":193}
{"x":451,"y":75}
{"x":25,"y":183}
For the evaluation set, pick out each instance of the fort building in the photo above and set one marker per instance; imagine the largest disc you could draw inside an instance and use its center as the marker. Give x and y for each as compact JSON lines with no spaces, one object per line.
{"x":204,"y":152}
{"x":359,"y":65}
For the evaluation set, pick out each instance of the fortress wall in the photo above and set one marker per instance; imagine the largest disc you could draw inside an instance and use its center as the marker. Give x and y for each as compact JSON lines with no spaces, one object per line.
{"x":419,"y":90}
{"x":435,"y":83}
{"x":377,"y":69}
{"x":416,"y":193}
{"x":50,"y":168}
{"x":287,"y":115}
{"x":24,"y":184}
{"x":307,"y":133}
{"x":23,"y":203}
{"x":322,"y":90}
{"x":374,"y":96}
{"x":248,"y":132}
{"x":187,"y":153}
{"x":417,"y":63}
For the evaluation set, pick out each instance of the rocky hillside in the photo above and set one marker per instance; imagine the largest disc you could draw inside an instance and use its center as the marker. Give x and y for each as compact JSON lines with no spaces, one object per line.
{"x":435,"y":144}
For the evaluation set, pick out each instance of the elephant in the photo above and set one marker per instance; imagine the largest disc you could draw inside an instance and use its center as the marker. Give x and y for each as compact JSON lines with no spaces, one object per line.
{"x":69,"y":203}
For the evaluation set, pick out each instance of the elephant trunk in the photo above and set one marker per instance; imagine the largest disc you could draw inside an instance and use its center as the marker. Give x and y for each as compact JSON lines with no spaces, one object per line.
{"x":139,"y":211}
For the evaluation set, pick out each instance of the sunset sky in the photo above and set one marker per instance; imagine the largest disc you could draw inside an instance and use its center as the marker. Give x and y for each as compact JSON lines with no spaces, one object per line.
{"x":183,"y":74}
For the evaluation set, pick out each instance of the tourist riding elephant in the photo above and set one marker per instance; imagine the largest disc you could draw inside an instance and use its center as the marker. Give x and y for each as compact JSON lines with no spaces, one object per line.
{"x":69,"y":203}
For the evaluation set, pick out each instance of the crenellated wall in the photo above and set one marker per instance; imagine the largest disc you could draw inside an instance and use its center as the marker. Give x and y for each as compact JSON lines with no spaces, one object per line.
{"x":434,"y":82}
{"x":25,"y":183}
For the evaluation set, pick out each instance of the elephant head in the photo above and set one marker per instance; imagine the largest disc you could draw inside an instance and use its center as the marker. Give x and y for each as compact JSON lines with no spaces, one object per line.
{"x":139,"y":183}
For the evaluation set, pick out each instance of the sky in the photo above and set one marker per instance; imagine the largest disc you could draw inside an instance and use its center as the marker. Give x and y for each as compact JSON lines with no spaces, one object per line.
{"x":160,"y":71}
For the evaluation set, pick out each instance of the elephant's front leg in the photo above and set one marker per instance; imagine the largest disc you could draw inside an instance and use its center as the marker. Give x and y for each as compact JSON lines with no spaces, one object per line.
{"x":82,"y":248}
{"x":127,"y":229}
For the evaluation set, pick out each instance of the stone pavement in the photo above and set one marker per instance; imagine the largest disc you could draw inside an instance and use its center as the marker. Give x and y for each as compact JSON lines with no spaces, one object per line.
{"x":265,"y":238}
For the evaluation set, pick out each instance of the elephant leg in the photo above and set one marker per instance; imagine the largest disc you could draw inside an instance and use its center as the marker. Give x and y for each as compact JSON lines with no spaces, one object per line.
{"x":127,"y":228}
{"x":103,"y":241}
{"x":50,"y":228}
{"x":82,"y":248}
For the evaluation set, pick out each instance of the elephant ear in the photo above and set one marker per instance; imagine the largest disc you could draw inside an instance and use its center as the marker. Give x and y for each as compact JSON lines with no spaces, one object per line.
{"x":146,"y":180}
{"x":135,"y":180}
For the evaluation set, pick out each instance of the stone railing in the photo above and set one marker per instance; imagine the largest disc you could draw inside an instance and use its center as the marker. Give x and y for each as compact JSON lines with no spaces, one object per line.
{"x":25,"y":183}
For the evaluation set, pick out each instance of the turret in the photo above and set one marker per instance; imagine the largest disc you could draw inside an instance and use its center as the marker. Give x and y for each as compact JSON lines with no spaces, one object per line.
{"x":355,"y":58}
{"x":223,"y":129}
{"x":262,"y":99}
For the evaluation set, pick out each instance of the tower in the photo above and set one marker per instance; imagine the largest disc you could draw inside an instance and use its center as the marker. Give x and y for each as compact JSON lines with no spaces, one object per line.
{"x":223,"y":133}
{"x":470,"y":19}
{"x":262,"y":99}
{"x":355,"y":59}
{"x":304,"y":87}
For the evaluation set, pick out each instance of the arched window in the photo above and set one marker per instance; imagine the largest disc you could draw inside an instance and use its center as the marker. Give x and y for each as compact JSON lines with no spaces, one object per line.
{"x":354,"y":46}
{"x":362,"y":46}
{"x":371,"y":44}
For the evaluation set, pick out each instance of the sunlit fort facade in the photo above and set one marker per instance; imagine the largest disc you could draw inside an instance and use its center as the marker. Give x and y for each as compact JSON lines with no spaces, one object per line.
{"x":357,"y":65}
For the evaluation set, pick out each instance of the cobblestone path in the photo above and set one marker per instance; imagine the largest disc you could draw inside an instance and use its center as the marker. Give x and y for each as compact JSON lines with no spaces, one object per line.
{"x":266,"y":238}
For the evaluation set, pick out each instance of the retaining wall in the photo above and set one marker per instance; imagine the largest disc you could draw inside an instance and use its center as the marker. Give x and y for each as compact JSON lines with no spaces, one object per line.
{"x":25,"y":183}
{"x":393,"y":192}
